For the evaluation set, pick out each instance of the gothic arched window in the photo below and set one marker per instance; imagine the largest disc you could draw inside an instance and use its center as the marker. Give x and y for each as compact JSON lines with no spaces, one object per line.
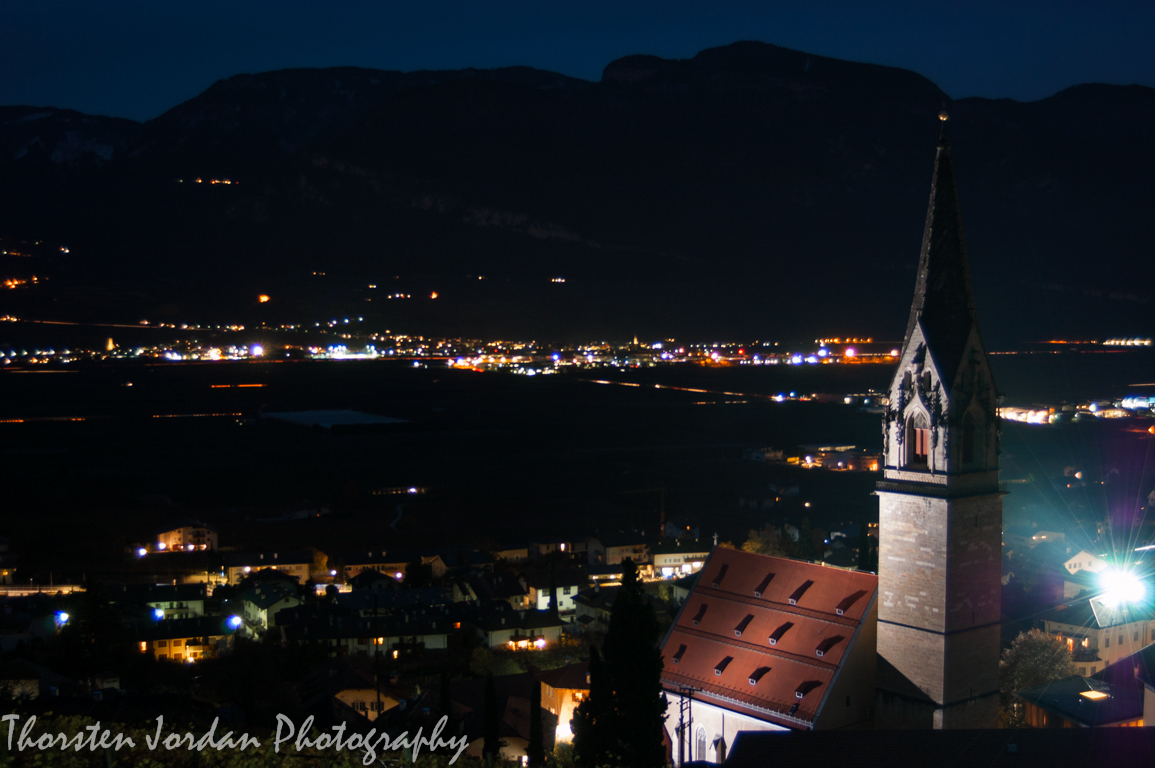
{"x":917,"y":441}
{"x":700,"y":745}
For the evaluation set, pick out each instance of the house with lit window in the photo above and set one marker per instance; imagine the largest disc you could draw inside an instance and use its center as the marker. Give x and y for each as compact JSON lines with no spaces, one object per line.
{"x":537,"y":587}
{"x":768,"y":644}
{"x":338,"y":684}
{"x":185,"y":536}
{"x":482,"y":585}
{"x":392,"y":562}
{"x":1082,"y":702}
{"x":298,"y":565}
{"x":511,"y":553}
{"x":344,"y":632}
{"x":562,"y":691}
{"x":677,"y":558}
{"x":613,"y":549}
{"x":1099,"y":634}
{"x":499,"y":626}
{"x":1122,"y":695}
{"x":593,"y":606}
{"x":542,"y":547}
{"x":1085,"y":561}
{"x":262,"y":601}
{"x":167,"y":601}
{"x":186,"y":640}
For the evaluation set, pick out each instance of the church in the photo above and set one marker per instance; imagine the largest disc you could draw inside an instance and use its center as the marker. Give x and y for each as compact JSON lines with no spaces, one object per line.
{"x":765,"y":643}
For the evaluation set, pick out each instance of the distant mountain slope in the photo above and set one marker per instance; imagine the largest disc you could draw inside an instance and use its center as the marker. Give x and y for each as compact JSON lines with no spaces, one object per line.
{"x":750,"y":190}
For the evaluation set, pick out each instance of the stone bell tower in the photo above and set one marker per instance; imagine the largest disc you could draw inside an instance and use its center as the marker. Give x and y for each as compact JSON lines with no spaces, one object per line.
{"x":940,"y":510}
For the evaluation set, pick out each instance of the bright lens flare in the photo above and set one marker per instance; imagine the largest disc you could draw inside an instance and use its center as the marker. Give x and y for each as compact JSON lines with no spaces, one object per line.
{"x":1121,"y":587}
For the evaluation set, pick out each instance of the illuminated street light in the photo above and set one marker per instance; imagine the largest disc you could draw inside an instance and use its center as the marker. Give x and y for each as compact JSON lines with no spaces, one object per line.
{"x":158,"y":613}
{"x":1121,"y":586}
{"x":235,"y":622}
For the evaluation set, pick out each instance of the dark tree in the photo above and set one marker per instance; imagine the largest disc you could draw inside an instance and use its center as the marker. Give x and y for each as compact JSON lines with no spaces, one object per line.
{"x":535,"y":752}
{"x":806,"y":540}
{"x":417,"y":574}
{"x":593,"y":720}
{"x":491,"y":728}
{"x":552,"y":590}
{"x":866,"y":554}
{"x":634,"y":662}
{"x":445,"y":696}
{"x":1034,"y":658}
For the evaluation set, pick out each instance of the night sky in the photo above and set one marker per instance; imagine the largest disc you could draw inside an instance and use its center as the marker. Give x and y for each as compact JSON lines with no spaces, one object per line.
{"x":133,"y":58}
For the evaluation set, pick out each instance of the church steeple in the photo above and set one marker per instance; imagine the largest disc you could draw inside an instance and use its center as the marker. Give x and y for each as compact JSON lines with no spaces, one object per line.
{"x":940,"y":511}
{"x":943,"y":302}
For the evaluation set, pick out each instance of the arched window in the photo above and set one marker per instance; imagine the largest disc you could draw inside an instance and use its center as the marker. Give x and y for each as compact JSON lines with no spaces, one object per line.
{"x":917,"y":441}
{"x":700,"y":744}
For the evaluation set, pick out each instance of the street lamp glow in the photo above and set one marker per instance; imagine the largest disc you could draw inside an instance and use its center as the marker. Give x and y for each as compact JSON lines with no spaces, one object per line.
{"x":1121,"y":587}
{"x":158,"y":613}
{"x":235,"y":622}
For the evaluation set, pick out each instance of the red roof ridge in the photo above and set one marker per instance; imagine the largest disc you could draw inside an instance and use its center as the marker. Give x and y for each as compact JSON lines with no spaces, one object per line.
{"x":762,"y":602}
{"x":768,"y":650}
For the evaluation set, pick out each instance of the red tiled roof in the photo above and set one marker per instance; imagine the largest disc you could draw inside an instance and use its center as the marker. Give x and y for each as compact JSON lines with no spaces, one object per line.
{"x":812,"y":636}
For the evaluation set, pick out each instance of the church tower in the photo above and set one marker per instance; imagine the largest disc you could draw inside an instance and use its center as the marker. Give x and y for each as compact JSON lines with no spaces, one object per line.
{"x":940,"y":510}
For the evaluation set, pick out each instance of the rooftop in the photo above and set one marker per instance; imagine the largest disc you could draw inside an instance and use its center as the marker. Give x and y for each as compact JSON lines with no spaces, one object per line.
{"x":1105,"y":705}
{"x":766,"y":636}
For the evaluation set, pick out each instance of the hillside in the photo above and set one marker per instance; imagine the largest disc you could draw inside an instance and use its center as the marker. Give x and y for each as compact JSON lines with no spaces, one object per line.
{"x":748,"y":191}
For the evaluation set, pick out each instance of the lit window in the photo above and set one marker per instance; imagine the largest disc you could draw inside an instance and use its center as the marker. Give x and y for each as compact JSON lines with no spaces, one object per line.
{"x":917,"y":441}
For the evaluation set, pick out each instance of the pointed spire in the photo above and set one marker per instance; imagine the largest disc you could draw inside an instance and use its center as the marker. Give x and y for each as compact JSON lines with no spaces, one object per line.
{"x":943,"y":302}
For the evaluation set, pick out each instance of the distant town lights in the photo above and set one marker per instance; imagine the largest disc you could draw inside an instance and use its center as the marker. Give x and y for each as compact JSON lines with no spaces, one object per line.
{"x":1121,"y":586}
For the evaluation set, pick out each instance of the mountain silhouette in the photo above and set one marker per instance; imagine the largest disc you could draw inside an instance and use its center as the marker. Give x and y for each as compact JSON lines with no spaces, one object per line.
{"x":748,"y":192}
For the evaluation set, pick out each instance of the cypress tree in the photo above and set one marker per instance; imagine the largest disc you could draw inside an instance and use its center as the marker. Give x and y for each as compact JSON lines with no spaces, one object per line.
{"x":536,"y":749}
{"x":634,"y":662}
{"x":445,"y":703}
{"x":491,"y":730}
{"x":593,"y":720}
{"x":553,"y":608}
{"x":806,"y":540}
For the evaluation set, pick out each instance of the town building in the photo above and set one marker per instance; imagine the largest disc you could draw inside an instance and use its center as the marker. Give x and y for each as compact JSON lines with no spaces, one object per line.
{"x":562,"y":691}
{"x":538,"y":584}
{"x":390,"y":562}
{"x":1099,"y":634}
{"x":940,"y":509}
{"x":185,"y":536}
{"x":262,"y":601}
{"x":298,"y":565}
{"x":676,"y":558}
{"x":186,"y":640}
{"x":766,"y":643}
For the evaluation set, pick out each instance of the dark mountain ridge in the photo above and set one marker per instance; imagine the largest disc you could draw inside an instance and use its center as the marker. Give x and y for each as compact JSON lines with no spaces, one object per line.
{"x":748,"y":191}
